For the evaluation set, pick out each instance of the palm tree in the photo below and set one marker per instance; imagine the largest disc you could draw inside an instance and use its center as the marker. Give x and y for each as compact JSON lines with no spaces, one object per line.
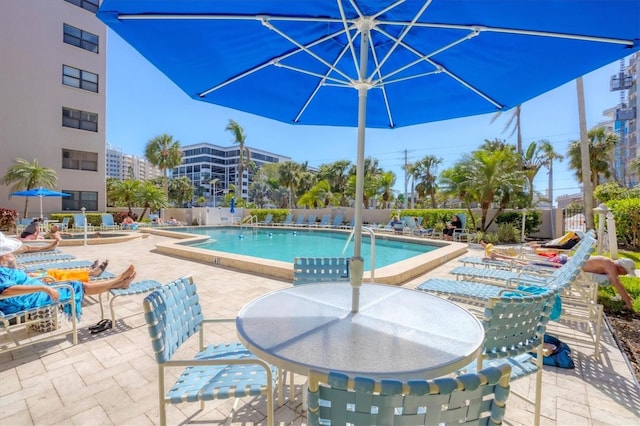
{"x":337,"y":175}
{"x":180,"y":191}
{"x":601,"y":146}
{"x":538,"y":154}
{"x":386,"y":180}
{"x":125,"y":193}
{"x":319,"y":195}
{"x":514,"y":121}
{"x":427,"y":169}
{"x":289,"y":178}
{"x":151,"y":197}
{"x":244,"y":155}
{"x":24,"y":175}
{"x":164,"y":153}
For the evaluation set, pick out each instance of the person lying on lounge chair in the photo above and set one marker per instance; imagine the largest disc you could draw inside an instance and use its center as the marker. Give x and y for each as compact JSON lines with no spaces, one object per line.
{"x":566,"y":242}
{"x":33,"y":293}
{"x":76,"y":274}
{"x":27,"y":248}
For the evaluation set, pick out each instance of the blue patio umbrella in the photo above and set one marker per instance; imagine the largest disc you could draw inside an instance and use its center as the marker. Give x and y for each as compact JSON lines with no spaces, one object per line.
{"x":233,"y":205}
{"x":40,"y":193}
{"x":373,"y":63}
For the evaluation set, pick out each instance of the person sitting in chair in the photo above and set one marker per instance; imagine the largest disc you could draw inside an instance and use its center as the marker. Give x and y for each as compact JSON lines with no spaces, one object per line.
{"x":32,"y":231}
{"x":448,"y":231}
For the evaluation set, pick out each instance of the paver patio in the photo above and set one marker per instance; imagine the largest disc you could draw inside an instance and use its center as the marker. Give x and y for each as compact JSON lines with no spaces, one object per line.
{"x":111,"y":377}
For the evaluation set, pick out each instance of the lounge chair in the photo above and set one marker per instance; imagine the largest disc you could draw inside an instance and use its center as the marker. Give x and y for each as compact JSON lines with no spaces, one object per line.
{"x":287,"y":221}
{"x":219,"y":371}
{"x":9,"y":323}
{"x":479,"y":398}
{"x":300,"y":220}
{"x":267,"y":220}
{"x":337,"y":221}
{"x":311,"y":221}
{"x":324,"y":221}
{"x":79,"y":222}
{"x":107,"y":223}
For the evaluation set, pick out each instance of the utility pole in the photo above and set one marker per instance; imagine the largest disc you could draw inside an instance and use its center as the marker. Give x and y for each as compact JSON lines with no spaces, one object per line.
{"x":584,"y":153}
{"x":406,"y":179}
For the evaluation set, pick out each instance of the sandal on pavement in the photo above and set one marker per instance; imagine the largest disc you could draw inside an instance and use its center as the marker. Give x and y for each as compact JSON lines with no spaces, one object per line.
{"x":106,"y":326}
{"x":100,"y":324}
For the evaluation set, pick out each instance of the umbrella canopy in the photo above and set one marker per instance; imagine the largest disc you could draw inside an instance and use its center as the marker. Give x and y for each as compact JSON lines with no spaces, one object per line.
{"x":40,"y":193}
{"x":374,"y":63}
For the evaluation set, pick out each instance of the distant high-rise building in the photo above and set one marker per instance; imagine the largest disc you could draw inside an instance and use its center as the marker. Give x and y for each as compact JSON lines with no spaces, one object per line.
{"x":204,"y":162}
{"x":624,"y":121}
{"x":52,"y":81}
{"x":126,"y":166}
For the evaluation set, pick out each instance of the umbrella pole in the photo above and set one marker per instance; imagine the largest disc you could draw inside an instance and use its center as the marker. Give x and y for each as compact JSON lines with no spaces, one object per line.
{"x":356,"y":265}
{"x":40,"y":206}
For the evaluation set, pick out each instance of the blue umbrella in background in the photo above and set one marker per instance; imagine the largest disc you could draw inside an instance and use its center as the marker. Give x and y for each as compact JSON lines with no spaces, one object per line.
{"x":374,"y":63}
{"x":40,"y":193}
{"x":233,"y":205}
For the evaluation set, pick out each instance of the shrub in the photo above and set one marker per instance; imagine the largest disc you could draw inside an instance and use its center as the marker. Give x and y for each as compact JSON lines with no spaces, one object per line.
{"x":7,"y":219}
{"x":627,"y":217}
{"x":532,"y":224}
{"x":508,"y":233}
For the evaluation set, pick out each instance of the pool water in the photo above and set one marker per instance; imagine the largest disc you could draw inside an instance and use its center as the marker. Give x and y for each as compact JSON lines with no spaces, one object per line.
{"x":285,"y":245}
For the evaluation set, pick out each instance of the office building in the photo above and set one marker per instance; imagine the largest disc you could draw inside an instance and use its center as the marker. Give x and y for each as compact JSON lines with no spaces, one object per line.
{"x":203,"y":163}
{"x":126,"y":166}
{"x":52,"y":80}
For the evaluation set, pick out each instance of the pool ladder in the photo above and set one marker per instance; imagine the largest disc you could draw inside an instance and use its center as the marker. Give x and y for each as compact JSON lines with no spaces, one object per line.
{"x":250,"y":223}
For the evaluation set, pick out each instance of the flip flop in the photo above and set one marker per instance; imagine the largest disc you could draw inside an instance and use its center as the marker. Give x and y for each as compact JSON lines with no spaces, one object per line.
{"x":95,"y":264}
{"x":100,"y":324}
{"x":106,"y":326}
{"x":103,"y":266}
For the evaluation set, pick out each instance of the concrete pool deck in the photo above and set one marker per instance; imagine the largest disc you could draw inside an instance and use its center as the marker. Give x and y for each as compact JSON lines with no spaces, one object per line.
{"x":396,"y":274}
{"x":111,"y":378}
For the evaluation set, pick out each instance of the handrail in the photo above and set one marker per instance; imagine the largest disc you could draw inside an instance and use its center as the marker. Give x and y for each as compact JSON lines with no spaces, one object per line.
{"x":372,"y":261}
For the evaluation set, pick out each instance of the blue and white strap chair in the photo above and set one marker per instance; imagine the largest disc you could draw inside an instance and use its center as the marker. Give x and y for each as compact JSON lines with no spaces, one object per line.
{"x":173,"y":314}
{"x":476,"y":398}
{"x":309,"y":270}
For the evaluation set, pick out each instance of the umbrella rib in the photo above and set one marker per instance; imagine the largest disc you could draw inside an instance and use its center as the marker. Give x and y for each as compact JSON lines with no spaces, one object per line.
{"x":423,"y":57}
{"x":272,"y":61}
{"x":322,"y":82}
{"x":483,"y":28}
{"x":354,"y":57}
{"x":383,"y":88}
{"x":405,"y":31}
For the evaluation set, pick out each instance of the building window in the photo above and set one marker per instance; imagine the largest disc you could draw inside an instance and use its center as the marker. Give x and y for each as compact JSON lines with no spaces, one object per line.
{"x":79,"y":160}
{"x":80,"y":199}
{"x":79,"y":119}
{"x":79,"y":38}
{"x":81,"y":79}
{"x":90,"y":5}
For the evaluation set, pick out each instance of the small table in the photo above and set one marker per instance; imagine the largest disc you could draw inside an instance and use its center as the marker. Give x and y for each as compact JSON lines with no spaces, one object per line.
{"x":398,"y":332}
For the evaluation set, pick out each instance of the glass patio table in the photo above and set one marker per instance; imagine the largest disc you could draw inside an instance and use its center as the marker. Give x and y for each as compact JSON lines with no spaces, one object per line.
{"x":398,"y":332}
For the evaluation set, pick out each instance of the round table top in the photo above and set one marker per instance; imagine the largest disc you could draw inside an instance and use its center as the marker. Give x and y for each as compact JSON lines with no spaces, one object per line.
{"x":397,"y":333}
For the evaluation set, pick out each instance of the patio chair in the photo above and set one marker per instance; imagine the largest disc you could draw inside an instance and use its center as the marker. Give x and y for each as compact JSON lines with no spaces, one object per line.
{"x":9,"y":323}
{"x":478,"y":398}
{"x":514,"y":327}
{"x":218,"y":371}
{"x":287,"y":220}
{"x":45,"y":256}
{"x":64,"y":225}
{"x":107,"y":223}
{"x":308,"y":270}
{"x":337,"y":221}
{"x":63,"y":264}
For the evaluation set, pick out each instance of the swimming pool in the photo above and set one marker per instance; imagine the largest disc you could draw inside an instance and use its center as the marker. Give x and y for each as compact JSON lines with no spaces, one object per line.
{"x":285,"y":245}
{"x":190,"y":239}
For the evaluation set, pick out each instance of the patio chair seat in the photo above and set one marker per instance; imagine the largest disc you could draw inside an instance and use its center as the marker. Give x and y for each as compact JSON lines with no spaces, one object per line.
{"x":219,"y":371}
{"x":71,"y":264}
{"x":42,"y":257}
{"x":139,"y":287}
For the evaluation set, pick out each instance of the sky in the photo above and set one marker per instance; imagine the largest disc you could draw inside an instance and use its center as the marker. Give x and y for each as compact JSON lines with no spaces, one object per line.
{"x":143,"y":103}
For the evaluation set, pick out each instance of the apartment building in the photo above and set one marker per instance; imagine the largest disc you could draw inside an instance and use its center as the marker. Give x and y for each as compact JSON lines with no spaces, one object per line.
{"x":126,"y":166}
{"x":204,"y":162}
{"x":53,"y":86}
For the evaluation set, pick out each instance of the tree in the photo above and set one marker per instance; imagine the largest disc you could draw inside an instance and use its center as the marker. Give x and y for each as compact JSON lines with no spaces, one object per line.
{"x":337,"y":175}
{"x":244,"y":155}
{"x":24,"y":175}
{"x":538,"y":154}
{"x":151,"y":197}
{"x":164,"y":153}
{"x":180,"y":191}
{"x":289,"y":178}
{"x":514,"y":122}
{"x":427,"y":173}
{"x":386,"y":180}
{"x":486,"y":176}
{"x":319,"y":195}
{"x":601,"y":146}
{"x":124,"y":193}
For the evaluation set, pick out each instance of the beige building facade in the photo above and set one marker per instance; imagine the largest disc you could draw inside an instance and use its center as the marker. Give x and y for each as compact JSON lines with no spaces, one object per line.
{"x":53,"y":98}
